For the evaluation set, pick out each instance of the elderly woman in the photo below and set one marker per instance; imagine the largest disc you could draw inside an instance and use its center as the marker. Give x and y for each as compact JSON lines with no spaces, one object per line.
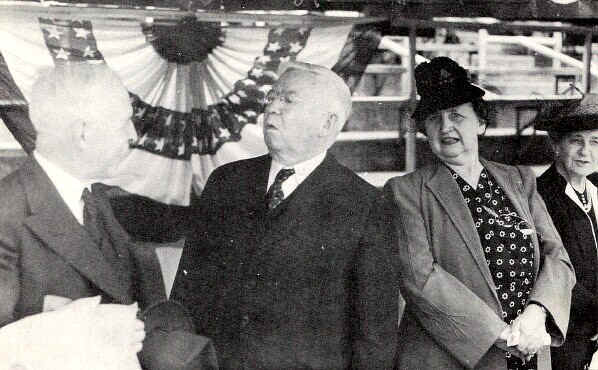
{"x":572,"y":202}
{"x":483,"y":290}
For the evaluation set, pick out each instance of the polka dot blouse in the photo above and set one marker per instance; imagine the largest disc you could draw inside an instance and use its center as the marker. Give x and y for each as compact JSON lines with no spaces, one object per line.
{"x":507,"y":246}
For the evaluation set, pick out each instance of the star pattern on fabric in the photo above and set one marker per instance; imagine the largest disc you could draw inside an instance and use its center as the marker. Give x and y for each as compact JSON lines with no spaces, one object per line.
{"x":205,"y":130}
{"x":235,"y":99}
{"x":273,"y":46}
{"x":256,"y":72}
{"x":62,"y":54}
{"x":81,"y":32}
{"x":70,"y":40}
{"x":88,"y":52}
{"x":53,"y":32}
{"x":264,"y":59}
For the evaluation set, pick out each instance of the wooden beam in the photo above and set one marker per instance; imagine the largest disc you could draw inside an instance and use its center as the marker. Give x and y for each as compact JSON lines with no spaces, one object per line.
{"x":494,"y":25}
{"x":410,"y":140}
{"x":586,"y":80}
{"x":501,"y":9}
{"x":396,"y":68}
{"x":164,"y":15}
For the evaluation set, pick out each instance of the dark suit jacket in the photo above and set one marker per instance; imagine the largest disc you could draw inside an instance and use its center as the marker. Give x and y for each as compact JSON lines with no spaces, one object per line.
{"x":44,"y":250}
{"x":311,"y":286}
{"x":574,"y":227}
{"x":453,"y":315}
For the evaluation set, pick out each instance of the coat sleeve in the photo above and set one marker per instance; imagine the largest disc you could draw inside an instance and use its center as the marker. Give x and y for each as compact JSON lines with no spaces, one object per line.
{"x":584,"y":304}
{"x":204,"y":212}
{"x":452,"y":314}
{"x":556,"y":277}
{"x":376,"y":294}
{"x":11,"y":215}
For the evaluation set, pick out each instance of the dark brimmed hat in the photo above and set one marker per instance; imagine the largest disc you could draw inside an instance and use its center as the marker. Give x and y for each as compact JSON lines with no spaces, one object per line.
{"x":441,"y":84}
{"x":569,"y":116}
{"x":171,"y":343}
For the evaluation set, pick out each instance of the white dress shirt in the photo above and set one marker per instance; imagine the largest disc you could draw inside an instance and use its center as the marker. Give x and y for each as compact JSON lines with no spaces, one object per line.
{"x":302,"y":170}
{"x":69,"y":187}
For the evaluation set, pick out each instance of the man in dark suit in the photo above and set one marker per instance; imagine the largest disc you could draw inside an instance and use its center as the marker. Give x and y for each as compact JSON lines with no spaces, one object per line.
{"x":292,"y":264}
{"x":59,"y":240}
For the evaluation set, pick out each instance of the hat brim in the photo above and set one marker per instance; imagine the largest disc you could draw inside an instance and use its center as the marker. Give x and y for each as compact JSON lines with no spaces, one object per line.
{"x":569,"y":115}
{"x":569,"y":124}
{"x":446,"y":99}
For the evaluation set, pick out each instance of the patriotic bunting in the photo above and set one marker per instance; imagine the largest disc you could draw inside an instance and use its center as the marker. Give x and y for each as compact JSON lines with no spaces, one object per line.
{"x":191,"y":114}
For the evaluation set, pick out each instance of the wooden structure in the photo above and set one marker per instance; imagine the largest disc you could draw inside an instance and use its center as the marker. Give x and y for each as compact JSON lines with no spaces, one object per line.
{"x":513,"y":16}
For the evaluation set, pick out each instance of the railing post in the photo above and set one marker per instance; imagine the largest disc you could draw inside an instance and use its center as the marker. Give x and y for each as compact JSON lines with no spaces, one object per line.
{"x":410,"y":134}
{"x":558,"y":47}
{"x":482,"y":53}
{"x":587,"y":64}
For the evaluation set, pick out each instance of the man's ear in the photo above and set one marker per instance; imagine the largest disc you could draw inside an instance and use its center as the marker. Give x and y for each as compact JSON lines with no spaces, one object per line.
{"x":329,"y":125}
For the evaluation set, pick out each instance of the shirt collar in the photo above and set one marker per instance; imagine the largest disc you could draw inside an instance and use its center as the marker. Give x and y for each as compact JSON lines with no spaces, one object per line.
{"x":302,"y":169}
{"x":69,"y":187}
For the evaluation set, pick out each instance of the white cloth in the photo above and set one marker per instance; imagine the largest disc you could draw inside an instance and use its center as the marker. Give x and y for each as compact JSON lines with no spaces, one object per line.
{"x":69,"y":187}
{"x":81,"y":335}
{"x":302,"y":170}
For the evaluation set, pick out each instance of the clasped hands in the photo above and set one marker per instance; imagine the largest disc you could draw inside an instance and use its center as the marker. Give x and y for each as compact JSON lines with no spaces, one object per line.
{"x":527,"y":334}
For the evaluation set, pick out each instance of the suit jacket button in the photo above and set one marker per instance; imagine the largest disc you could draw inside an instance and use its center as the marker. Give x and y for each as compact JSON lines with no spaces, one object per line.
{"x":244,"y":321}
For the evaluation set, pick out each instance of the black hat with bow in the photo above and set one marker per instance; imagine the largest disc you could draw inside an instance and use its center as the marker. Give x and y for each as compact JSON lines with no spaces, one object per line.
{"x":441,"y":84}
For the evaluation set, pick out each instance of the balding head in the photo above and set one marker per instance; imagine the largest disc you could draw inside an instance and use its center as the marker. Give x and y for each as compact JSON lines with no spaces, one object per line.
{"x":74,"y":92}
{"x":307,"y":107}
{"x":333,"y":86}
{"x":81,"y":112}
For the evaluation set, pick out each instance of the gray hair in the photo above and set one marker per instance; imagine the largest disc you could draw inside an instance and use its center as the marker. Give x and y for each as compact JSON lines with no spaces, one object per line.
{"x":331,"y":80}
{"x":74,"y":92}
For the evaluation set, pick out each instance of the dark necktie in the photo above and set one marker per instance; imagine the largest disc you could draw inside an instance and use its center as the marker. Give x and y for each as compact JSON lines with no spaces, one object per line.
{"x":275,"y":195}
{"x":91,"y":220}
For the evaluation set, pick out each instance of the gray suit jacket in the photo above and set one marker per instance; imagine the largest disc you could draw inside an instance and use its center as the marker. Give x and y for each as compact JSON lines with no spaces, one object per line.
{"x":44,"y":250}
{"x":453,"y":315}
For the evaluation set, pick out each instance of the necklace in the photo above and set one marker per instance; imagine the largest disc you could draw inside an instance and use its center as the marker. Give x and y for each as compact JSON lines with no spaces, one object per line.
{"x":584,"y":199}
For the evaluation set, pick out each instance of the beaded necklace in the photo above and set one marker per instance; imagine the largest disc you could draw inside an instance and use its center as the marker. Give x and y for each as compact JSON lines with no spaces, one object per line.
{"x":584,"y":199}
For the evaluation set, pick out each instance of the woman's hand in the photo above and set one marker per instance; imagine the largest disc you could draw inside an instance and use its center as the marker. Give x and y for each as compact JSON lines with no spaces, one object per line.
{"x":531,"y":326}
{"x":504,"y":341}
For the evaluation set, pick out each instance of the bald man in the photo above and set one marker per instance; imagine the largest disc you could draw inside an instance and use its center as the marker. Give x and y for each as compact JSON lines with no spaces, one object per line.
{"x":291,"y":263}
{"x":60,"y":242}
{"x":48,"y":253}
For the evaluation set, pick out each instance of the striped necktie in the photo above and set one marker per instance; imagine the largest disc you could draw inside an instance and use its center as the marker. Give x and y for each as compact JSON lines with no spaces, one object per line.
{"x":275,"y":195}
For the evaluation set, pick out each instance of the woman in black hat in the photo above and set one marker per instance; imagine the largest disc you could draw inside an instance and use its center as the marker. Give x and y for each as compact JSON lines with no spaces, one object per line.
{"x":483,"y":291}
{"x":572,"y":202}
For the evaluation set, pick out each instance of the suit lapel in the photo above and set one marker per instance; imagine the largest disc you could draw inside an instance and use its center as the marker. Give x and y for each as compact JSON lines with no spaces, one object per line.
{"x":447,"y":192}
{"x":300,"y":205}
{"x":55,"y":225}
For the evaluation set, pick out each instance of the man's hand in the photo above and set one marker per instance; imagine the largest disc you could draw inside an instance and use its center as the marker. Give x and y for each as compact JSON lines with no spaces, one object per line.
{"x":531,"y":327}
